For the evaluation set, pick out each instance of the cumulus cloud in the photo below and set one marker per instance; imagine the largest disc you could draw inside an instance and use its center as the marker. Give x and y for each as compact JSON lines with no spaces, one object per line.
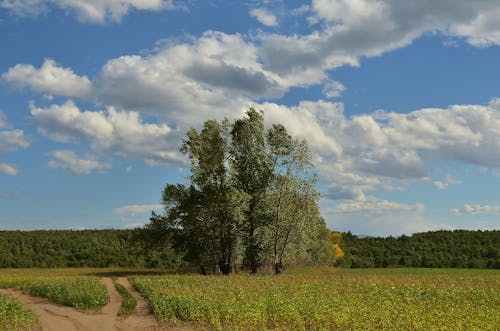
{"x":133,"y":210}
{"x":49,"y":78}
{"x":89,"y":11}
{"x":70,"y":162}
{"x":264,"y":16}
{"x":352,"y":29}
{"x":371,"y":151}
{"x":476,"y":209}
{"x":9,"y":169}
{"x":122,"y":132}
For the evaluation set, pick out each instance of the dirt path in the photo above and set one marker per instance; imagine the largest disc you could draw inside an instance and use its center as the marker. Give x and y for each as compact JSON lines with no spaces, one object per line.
{"x":52,"y":317}
{"x":141,"y":318}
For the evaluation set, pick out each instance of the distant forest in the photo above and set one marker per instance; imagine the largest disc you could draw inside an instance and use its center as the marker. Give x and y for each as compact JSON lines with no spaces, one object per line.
{"x":81,"y":248}
{"x":440,"y":249}
{"x":126,"y":248}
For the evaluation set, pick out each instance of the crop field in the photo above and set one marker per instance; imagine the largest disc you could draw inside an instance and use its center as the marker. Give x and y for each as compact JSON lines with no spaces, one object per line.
{"x":328,"y":298}
{"x":307,"y":299}
{"x":63,"y":287}
{"x":13,"y":316}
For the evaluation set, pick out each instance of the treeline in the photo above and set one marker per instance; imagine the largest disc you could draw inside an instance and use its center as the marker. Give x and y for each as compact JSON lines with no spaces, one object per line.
{"x":82,"y":248}
{"x":440,"y":249}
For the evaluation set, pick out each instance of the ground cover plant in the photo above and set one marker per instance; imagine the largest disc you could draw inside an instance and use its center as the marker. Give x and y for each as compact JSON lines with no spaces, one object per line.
{"x":84,"y":292}
{"x":13,"y":316}
{"x":128,"y":303}
{"x":328,"y":298}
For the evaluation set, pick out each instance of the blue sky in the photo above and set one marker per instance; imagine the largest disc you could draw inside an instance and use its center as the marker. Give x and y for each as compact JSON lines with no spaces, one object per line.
{"x":399,"y":101}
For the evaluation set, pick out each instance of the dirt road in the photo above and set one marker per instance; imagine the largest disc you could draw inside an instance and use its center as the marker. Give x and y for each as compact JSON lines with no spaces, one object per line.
{"x":53,"y":317}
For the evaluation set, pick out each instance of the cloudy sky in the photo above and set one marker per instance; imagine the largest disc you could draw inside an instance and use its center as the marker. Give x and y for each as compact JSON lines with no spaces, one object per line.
{"x":398,"y":99}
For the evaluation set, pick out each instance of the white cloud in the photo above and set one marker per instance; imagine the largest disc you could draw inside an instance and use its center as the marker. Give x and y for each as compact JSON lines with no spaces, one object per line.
{"x":133,"y":210}
{"x":333,"y":89}
{"x":299,"y":11}
{"x":129,"y":169}
{"x":476,"y":209}
{"x":372,"y":151}
{"x":379,"y":217}
{"x":121,"y":132}
{"x":264,"y":16}
{"x":9,"y":169}
{"x":70,"y":162}
{"x":371,"y":205}
{"x":89,"y":11}
{"x":214,"y":74}
{"x":483,"y":30}
{"x":352,"y":29}
{"x":11,"y":140}
{"x":449,"y":180}
{"x":49,"y":78}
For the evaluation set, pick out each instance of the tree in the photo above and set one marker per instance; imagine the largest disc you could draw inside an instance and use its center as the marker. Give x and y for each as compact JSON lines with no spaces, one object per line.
{"x":252,"y":173}
{"x":211,"y":209}
{"x":291,"y":197}
{"x":250,"y":198}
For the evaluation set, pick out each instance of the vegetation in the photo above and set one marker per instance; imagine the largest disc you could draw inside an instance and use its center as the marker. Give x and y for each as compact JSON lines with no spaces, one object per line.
{"x":440,"y":249}
{"x":13,"y":316}
{"x":135,"y":249}
{"x":327,"y":298}
{"x":128,"y":301}
{"x":86,"y":248}
{"x":250,"y":200}
{"x":79,"y":292}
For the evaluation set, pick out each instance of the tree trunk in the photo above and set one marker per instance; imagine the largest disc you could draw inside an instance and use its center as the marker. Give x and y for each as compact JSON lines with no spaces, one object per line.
{"x":278,"y":268}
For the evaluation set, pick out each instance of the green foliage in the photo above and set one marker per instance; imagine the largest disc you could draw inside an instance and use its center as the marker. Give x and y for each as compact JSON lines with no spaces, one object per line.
{"x":79,"y":292}
{"x":440,"y":249}
{"x":251,"y":200}
{"x":13,"y":316}
{"x":327,"y":298}
{"x":128,"y":301}
{"x":86,"y":248}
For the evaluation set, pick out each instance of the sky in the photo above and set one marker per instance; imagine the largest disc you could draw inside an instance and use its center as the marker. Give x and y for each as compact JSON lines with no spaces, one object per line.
{"x":399,"y":101}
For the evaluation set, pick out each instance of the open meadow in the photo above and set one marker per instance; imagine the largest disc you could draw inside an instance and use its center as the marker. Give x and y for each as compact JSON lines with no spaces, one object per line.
{"x":302,"y":299}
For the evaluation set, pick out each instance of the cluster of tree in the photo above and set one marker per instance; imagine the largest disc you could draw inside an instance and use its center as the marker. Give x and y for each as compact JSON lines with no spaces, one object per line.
{"x":250,"y":201}
{"x":85,"y":248}
{"x":440,"y":249}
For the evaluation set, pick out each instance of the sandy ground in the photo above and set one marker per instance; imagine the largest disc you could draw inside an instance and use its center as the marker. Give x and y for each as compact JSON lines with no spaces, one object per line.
{"x":53,"y":317}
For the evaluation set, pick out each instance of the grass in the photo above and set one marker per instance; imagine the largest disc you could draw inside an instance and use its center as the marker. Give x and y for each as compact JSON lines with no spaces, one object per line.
{"x":128,"y":303}
{"x":80,"y":292}
{"x":328,"y":298}
{"x":13,"y":316}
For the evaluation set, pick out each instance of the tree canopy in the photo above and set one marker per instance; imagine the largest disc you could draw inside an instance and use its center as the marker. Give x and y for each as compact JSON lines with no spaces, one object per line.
{"x":250,"y":200}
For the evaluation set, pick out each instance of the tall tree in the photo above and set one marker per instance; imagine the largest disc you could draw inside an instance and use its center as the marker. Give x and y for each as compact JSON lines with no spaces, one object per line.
{"x":252,"y":171}
{"x":291,"y":197}
{"x":208,"y":213}
{"x":250,"y":199}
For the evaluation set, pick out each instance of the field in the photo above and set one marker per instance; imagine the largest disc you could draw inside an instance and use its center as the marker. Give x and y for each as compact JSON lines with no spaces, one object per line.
{"x":327,"y":298}
{"x":307,"y":299}
{"x":13,"y":315}
{"x":83,"y":292}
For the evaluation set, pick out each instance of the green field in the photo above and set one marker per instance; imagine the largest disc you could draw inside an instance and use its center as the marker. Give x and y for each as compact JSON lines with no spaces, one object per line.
{"x":327,"y":298}
{"x":307,"y":299}
{"x":61,"y":286}
{"x":13,"y":316}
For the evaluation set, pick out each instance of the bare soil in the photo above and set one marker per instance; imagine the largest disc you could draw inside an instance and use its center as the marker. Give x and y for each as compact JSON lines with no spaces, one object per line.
{"x":52,"y":317}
